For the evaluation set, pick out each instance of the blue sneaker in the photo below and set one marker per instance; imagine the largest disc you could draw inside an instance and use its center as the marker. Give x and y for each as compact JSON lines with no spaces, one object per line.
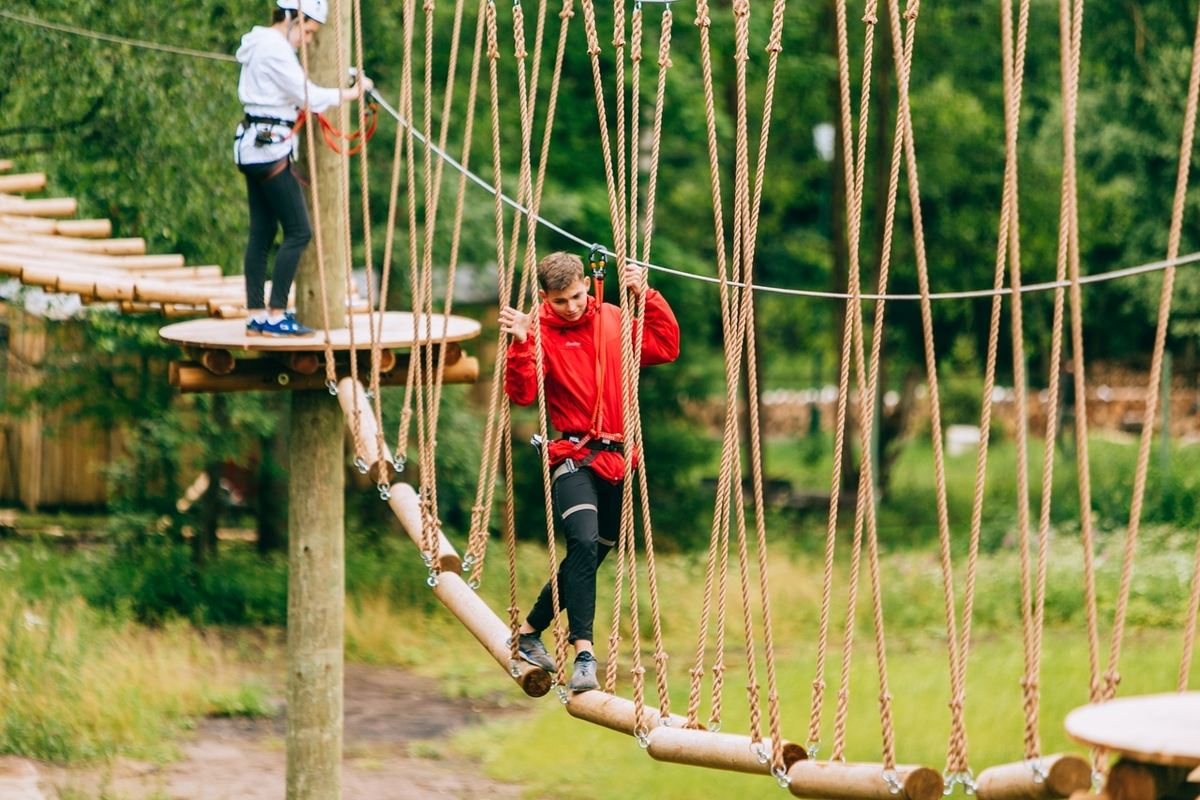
{"x":253,"y":327}
{"x":288,"y":326}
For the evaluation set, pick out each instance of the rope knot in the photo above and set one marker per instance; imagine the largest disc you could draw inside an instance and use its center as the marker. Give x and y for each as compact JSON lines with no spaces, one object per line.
{"x":493,"y":52}
{"x":775,"y":46}
{"x":660,"y":659}
{"x":427,"y":7}
{"x":696,"y":672}
{"x":885,"y":697}
{"x":843,"y":694}
{"x":741,"y":8}
{"x":568,"y":12}
{"x":870,"y":19}
{"x":957,"y":703}
{"x":702,"y":19}
{"x":818,"y":685}
{"x":594,"y":50}
{"x":912,"y":10}
{"x":637,"y":672}
{"x":665,"y":62}
{"x":752,"y":688}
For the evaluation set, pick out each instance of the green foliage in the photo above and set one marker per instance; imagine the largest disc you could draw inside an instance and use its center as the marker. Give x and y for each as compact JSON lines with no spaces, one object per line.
{"x":960,"y":385}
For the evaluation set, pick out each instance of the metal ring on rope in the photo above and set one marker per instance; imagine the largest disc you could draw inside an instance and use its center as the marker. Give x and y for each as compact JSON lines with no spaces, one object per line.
{"x":812,"y":747}
{"x":513,"y":669}
{"x":332,"y":387}
{"x":760,"y":753}
{"x":781,"y":777}
{"x":563,"y":697}
{"x":1038,"y":769}
{"x":361,"y":465}
{"x":643,"y":737}
{"x":892,"y":778}
{"x":385,"y":492}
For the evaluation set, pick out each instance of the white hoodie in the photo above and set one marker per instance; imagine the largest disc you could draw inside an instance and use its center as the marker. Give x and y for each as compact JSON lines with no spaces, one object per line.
{"x":272,"y":85}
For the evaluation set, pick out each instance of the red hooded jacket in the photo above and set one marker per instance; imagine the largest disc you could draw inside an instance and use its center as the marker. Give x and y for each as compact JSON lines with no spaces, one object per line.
{"x":569,"y":365}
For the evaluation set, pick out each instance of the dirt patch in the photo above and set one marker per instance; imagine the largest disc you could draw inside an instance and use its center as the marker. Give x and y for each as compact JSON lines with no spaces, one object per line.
{"x":387,"y":711}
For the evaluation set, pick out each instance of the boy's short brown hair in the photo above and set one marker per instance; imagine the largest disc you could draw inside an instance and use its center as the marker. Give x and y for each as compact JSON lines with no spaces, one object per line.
{"x":559,"y":270}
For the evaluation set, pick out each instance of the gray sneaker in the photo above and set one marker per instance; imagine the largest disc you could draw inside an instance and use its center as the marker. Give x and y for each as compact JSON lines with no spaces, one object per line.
{"x":584,"y":677}
{"x":530,"y":646}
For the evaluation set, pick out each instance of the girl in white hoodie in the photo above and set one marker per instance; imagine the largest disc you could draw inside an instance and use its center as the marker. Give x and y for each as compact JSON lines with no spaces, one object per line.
{"x":273,"y":88}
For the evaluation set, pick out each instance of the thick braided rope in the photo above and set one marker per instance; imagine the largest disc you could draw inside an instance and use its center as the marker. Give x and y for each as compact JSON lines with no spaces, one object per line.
{"x":660,"y":654}
{"x":664,"y":64}
{"x":818,"y":684}
{"x":853,"y":334}
{"x":719,"y":537}
{"x":1111,"y":676}
{"x":347,"y":240}
{"x":635,"y":60}
{"x":741,"y":203}
{"x":1189,"y":628}
{"x":364,"y":181}
{"x":1082,"y":459}
{"x":1067,"y":222}
{"x":525,"y":168}
{"x":480,"y":507}
{"x":510,"y":538}
{"x":311,"y":147}
{"x":774,"y":712}
{"x":481,"y":511}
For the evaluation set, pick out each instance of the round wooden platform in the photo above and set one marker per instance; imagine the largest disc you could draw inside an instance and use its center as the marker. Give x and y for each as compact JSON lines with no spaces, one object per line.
{"x":397,"y":331}
{"x":1154,"y":729}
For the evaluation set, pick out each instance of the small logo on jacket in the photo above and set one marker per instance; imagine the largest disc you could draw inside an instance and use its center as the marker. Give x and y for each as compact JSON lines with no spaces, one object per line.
{"x":572,"y":344}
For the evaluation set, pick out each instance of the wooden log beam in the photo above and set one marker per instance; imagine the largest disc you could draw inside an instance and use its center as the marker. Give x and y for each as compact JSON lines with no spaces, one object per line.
{"x":50,"y":207}
{"x":5,"y":165}
{"x":120,"y":247}
{"x":826,"y":780}
{"x":21,"y":183}
{"x":77,"y":228}
{"x":76,"y":258}
{"x":1063,"y":774}
{"x":615,"y":713}
{"x":267,"y":375}
{"x":699,"y":748}
{"x":218,"y":362}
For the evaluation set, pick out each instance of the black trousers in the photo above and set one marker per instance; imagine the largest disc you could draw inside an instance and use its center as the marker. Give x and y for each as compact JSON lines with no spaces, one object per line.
{"x":276,"y":201}
{"x":588,"y":510}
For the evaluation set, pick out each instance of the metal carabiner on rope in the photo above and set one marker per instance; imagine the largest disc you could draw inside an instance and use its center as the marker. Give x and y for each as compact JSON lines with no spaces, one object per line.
{"x":598,"y":261}
{"x":332,"y":387}
{"x":361,"y":465}
{"x":385,"y":492}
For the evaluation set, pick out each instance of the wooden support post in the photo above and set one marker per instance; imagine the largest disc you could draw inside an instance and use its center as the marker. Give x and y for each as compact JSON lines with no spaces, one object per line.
{"x":1064,"y":774}
{"x":316,"y":486}
{"x":727,"y":751}
{"x":836,"y":781}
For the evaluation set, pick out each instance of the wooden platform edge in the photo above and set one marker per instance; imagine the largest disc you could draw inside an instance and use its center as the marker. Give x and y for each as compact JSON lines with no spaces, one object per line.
{"x":268,"y":375}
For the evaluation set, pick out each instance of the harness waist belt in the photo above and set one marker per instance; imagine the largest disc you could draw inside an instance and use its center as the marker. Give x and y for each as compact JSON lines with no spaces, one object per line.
{"x":594,"y":443}
{"x":253,"y":120}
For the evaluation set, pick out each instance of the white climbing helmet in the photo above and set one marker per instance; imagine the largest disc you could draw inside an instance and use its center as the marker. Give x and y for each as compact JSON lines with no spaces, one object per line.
{"x":313,"y":9}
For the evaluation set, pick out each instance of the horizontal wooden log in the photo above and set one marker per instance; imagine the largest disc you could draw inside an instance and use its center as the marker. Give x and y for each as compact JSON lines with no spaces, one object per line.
{"x":190,"y":275}
{"x":218,"y":362}
{"x":267,"y":375}
{"x":50,"y":207}
{"x":6,"y":165}
{"x":25,"y":182}
{"x":72,"y":244}
{"x":78,"y":258}
{"x":615,"y":713}
{"x":78,"y":228}
{"x":825,"y":780}
{"x":1063,"y":774}
{"x":726,"y":751}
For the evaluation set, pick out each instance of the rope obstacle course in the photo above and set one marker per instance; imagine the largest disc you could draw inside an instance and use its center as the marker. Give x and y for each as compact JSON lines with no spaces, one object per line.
{"x":685,"y":739}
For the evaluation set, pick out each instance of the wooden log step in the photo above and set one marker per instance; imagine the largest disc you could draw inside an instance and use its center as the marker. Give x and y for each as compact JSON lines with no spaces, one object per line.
{"x":122,"y":247}
{"x":728,"y":751}
{"x":49,"y":207}
{"x":70,"y":258}
{"x":6,"y":165}
{"x":77,"y":228}
{"x":21,"y":183}
{"x":1137,"y":780}
{"x":1062,"y":775}
{"x":825,"y":780}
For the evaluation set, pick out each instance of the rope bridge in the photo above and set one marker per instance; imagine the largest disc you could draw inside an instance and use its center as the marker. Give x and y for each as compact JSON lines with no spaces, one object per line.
{"x":739,"y":534}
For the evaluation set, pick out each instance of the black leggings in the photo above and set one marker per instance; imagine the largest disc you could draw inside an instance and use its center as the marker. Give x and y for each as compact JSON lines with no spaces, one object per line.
{"x":589,"y":510}
{"x":277,"y":201}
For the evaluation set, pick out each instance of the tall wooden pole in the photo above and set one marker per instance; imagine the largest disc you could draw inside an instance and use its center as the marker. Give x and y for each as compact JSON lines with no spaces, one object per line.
{"x":316,"y":479}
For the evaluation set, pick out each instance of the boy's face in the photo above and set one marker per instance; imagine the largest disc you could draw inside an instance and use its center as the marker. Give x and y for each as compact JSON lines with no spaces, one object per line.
{"x":568,"y":303}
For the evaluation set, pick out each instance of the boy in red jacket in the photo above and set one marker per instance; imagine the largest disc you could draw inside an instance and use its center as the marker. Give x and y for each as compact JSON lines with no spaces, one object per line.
{"x":581,"y":358}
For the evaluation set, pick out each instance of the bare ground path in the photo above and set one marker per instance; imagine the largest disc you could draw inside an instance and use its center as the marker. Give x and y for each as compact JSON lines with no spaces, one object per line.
{"x":387,"y":712}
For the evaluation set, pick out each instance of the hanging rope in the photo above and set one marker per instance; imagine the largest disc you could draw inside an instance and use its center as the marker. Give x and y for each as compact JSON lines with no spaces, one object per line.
{"x":1111,"y":676}
{"x":1189,"y":628}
